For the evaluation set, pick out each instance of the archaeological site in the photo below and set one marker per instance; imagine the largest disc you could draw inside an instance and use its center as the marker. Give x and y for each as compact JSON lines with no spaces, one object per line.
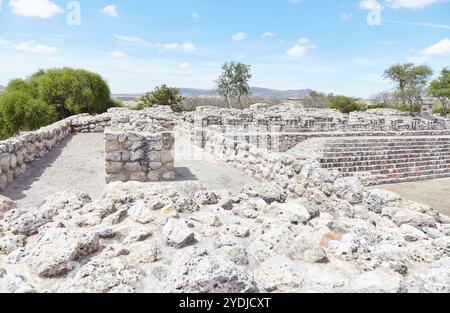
{"x":229,"y":156}
{"x":274,"y":198}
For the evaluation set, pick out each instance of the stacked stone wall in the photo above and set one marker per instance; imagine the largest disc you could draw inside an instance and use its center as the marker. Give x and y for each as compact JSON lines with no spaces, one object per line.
{"x":135,"y":156}
{"x":18,"y":152}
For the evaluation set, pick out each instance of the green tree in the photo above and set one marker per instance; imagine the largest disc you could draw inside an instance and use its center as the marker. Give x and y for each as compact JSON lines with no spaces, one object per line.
{"x":318,"y":100}
{"x":411,"y":81}
{"x":440,"y":88}
{"x":20,"y":112}
{"x":72,"y":91}
{"x":162,"y":95}
{"x":232,"y":84}
{"x":346,"y":104}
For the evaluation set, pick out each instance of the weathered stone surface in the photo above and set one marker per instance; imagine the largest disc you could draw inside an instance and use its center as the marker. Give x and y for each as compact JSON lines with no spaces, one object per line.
{"x":12,"y":283}
{"x":268,"y":192}
{"x":141,"y":213}
{"x":6,"y":204}
{"x":177,"y":234}
{"x":196,"y":271}
{"x":103,"y":276}
{"x":9,"y":243}
{"x":57,"y":248}
{"x":350,"y":189}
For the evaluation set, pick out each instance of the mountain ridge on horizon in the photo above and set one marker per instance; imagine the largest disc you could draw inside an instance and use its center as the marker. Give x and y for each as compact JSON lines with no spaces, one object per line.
{"x":266,"y":93}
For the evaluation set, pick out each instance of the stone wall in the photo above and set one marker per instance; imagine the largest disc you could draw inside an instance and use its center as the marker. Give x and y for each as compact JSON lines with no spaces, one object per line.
{"x":16,"y":153}
{"x":292,"y":119}
{"x":139,"y":156}
{"x":86,"y":123}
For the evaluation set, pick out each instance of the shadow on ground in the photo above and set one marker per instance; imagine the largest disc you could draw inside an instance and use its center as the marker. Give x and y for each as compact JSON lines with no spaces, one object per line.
{"x":16,"y":190}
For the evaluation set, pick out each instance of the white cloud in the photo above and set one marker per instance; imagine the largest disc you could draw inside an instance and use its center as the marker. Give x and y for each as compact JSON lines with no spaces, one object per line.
{"x":411,"y":4}
{"x":31,"y":46}
{"x":239,"y":36}
{"x":135,"y":41}
{"x":268,"y":35}
{"x":441,"y":48}
{"x":111,"y":10}
{"x":4,"y":42}
{"x":432,"y":25}
{"x":118,"y":54}
{"x":370,"y":5}
{"x":195,"y":15}
{"x":36,"y":8}
{"x":174,"y":46}
{"x":302,"y":46}
{"x":184,"y":65}
{"x":346,"y":16}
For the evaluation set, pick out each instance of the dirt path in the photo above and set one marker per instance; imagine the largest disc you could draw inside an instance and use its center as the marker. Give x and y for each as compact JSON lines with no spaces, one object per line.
{"x":432,"y":192}
{"x":78,"y":163}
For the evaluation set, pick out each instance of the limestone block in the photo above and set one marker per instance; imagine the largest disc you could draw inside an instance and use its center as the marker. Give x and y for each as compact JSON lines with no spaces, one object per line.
{"x":113,"y":167}
{"x":112,"y":146}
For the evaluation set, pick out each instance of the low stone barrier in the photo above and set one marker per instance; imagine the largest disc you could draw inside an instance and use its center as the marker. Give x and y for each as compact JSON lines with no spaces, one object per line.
{"x":16,"y":153}
{"x":86,"y":123}
{"x":139,"y":156}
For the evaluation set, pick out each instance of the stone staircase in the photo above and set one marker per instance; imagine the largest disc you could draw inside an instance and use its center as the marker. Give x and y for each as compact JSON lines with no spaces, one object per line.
{"x":385,"y":160}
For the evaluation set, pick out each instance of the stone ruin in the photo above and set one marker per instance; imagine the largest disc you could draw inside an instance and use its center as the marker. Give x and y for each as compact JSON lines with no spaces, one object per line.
{"x":139,"y":148}
{"x":310,"y":225}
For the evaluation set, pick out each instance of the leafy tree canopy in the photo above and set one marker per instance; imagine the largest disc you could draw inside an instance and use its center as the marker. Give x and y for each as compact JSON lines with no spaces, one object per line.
{"x":232,"y":84}
{"x":162,"y":95}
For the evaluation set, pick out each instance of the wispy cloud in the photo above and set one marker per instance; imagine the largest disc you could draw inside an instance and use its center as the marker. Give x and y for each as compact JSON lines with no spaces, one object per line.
{"x":111,"y":10}
{"x":239,"y":36}
{"x":139,"y":42}
{"x":184,"y":65}
{"x":268,"y":35}
{"x":117,"y":54}
{"x":35,"y":8}
{"x":412,"y":4}
{"x":31,"y":46}
{"x":4,"y":42}
{"x":346,"y":16}
{"x":195,"y":15}
{"x":442,"y":26}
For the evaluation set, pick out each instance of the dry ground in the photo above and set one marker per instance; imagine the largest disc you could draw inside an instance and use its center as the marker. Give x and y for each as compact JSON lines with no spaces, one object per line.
{"x":432,"y":192}
{"x":78,"y":163}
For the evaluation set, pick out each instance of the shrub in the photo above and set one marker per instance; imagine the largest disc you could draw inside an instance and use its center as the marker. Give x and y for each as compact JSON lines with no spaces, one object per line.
{"x":440,"y":109}
{"x":21,"y":112}
{"x":69,"y":91}
{"x":346,"y":104}
{"x":162,"y":95}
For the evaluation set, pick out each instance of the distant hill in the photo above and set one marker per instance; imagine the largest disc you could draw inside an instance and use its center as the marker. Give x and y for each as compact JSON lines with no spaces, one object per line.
{"x":2,"y":88}
{"x":269,"y":94}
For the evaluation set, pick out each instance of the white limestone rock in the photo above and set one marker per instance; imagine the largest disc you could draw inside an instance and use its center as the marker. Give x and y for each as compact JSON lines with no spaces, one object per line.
{"x":378,"y":281}
{"x":103,"y":276}
{"x":350,"y":189}
{"x":11,"y":242}
{"x":12,"y":283}
{"x":177,"y":234}
{"x":196,"y":271}
{"x":57,"y":249}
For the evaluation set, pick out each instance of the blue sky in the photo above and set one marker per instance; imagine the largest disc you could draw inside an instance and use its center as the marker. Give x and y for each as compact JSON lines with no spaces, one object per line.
{"x":333,"y":46}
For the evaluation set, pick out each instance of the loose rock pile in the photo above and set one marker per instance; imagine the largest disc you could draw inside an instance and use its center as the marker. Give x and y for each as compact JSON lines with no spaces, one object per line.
{"x":183,"y":238}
